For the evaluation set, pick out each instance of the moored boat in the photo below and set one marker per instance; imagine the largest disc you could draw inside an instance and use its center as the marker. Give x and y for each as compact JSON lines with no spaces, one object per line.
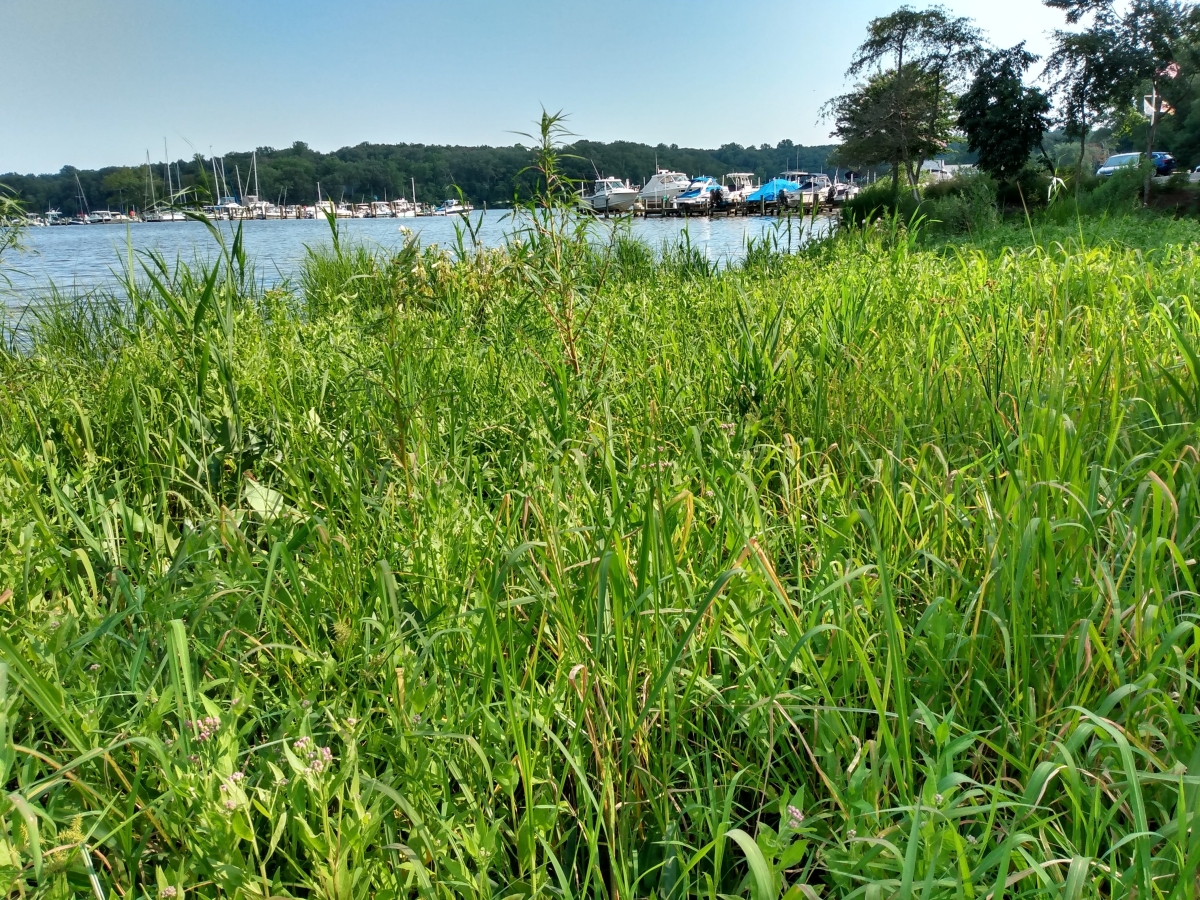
{"x":609,"y":194}
{"x":453,"y":208}
{"x":775,"y":191}
{"x":663,"y":188}
{"x":737,"y":187}
{"x":699,"y":195}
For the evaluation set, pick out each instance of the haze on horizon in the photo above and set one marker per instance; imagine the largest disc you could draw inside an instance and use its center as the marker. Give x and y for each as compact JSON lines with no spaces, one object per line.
{"x":100,"y":82}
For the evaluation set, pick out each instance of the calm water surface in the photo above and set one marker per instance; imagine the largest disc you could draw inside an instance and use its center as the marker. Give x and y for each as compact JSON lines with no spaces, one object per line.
{"x":83,"y":257}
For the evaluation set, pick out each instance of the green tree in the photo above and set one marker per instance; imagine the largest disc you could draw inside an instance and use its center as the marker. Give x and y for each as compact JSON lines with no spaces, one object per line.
{"x":930,"y":54}
{"x":124,"y":186}
{"x":1080,"y":70}
{"x":1003,"y":119}
{"x":893,"y":117}
{"x":1137,"y":55}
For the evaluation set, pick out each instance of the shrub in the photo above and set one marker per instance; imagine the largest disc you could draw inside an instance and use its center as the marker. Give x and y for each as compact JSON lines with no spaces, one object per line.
{"x":880,"y":200}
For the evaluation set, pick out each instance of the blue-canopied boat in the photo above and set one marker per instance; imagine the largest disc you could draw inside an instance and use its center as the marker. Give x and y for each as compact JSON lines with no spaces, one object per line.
{"x":777,"y":190}
{"x":699,"y":194}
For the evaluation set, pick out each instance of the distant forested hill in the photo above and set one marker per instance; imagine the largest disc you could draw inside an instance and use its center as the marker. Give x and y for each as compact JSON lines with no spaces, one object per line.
{"x":370,"y":171}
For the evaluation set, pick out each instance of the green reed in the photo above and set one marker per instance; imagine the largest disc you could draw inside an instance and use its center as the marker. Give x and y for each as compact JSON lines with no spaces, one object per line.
{"x":559,"y":571}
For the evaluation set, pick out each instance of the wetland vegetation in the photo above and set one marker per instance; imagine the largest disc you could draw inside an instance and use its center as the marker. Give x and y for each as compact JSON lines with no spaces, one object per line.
{"x":569,"y":569}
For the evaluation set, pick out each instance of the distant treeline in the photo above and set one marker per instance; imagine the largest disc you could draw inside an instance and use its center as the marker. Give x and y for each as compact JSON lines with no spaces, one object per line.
{"x":384,"y":171}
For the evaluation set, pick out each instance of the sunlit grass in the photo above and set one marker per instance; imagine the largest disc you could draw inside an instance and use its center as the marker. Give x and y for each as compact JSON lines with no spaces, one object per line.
{"x":867,"y":571}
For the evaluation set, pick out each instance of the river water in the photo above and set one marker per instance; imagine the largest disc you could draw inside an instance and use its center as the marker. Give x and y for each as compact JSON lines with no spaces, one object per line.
{"x":76,"y":259}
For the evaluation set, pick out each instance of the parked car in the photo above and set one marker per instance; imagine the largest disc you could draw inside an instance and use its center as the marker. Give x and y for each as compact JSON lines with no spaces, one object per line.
{"x":1164,"y":163}
{"x":1119,"y":161}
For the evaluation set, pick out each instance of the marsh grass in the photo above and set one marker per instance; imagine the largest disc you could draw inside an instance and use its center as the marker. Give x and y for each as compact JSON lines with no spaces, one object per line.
{"x":864,"y":571}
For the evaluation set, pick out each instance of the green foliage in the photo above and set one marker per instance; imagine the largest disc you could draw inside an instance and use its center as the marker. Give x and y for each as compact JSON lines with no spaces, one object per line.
{"x":887,"y":119}
{"x":902,"y":114}
{"x":866,"y":571}
{"x":962,"y":205}
{"x":880,"y":200}
{"x":1002,"y":118}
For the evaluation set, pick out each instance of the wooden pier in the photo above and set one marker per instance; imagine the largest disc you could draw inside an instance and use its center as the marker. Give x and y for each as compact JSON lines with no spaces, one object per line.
{"x":666,"y":210}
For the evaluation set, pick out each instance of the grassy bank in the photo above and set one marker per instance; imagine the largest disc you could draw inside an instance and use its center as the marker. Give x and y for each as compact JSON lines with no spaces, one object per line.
{"x":561,"y":571}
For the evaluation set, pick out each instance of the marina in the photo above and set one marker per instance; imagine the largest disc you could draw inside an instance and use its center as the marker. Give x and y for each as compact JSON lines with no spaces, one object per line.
{"x":666,"y":194}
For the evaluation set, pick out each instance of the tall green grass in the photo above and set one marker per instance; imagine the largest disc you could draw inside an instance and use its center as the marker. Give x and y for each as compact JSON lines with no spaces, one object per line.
{"x":558,"y":571}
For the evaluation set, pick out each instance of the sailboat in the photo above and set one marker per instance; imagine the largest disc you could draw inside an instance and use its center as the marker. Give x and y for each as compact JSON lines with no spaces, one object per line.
{"x":162,"y":212}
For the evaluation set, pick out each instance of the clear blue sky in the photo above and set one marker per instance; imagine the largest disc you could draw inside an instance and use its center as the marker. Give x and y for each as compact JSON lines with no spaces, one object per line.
{"x":98,"y":82}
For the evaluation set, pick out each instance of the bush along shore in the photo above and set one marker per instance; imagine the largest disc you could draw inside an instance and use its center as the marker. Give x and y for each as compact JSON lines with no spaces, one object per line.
{"x":572,"y":569}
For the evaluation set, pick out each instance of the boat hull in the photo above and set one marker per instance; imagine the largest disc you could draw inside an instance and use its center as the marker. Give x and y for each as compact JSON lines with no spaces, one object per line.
{"x":617,"y":201}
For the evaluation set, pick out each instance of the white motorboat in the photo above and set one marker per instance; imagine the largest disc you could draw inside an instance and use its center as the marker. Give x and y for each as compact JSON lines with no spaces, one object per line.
{"x":610,"y":194}
{"x":663,"y":188}
{"x":817,"y":189}
{"x":453,"y":208}
{"x":381,"y":209}
{"x":699,"y":194}
{"x":258,"y":209}
{"x":811,"y":188}
{"x":403,"y":209}
{"x":738,"y":186}
{"x":845,"y":190}
{"x":165,"y":214}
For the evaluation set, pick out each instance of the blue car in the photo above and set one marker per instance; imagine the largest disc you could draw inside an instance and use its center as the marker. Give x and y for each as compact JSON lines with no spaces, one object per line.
{"x":1164,"y":163}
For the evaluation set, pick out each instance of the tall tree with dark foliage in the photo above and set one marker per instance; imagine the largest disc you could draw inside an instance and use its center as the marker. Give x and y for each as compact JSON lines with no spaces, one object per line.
{"x":1004,"y":119}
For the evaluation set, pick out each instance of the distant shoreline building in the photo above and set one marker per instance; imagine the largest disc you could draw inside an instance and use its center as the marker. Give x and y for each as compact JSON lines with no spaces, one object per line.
{"x":940,"y":170}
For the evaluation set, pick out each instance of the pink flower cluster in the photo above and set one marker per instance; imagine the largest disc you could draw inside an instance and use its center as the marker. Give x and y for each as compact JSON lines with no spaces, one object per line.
{"x":227,"y":787}
{"x":316,"y":758}
{"x":205,"y":728}
{"x":795,"y":817}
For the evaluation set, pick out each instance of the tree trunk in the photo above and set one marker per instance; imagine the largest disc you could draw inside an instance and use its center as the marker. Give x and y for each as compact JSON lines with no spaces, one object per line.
{"x":912,"y":181}
{"x":1082,"y":150}
{"x":1150,"y":141}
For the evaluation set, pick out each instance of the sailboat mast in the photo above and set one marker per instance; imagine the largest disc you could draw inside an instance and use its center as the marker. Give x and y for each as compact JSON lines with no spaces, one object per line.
{"x":82,"y":196}
{"x":150,"y":180}
{"x":167,"y":165}
{"x":254,"y":162}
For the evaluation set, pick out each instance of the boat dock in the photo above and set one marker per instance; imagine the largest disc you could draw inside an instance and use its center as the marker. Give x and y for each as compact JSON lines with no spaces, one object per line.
{"x":668,"y":210}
